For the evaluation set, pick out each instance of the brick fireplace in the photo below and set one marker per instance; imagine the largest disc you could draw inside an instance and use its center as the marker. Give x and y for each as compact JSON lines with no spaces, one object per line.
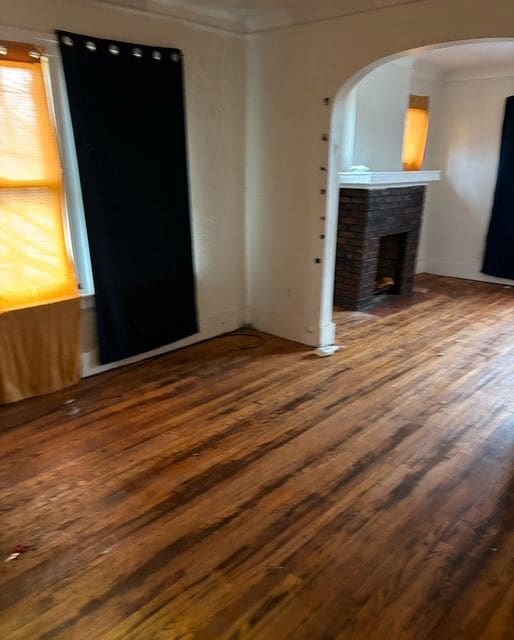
{"x":377,"y":243}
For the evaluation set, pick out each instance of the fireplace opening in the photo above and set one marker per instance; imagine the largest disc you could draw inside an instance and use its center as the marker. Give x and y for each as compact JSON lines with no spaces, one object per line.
{"x":391,"y":257}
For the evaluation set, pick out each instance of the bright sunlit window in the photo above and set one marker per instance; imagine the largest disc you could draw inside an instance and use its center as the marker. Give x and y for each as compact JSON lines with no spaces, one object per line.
{"x":415,"y":133}
{"x":35,"y":264}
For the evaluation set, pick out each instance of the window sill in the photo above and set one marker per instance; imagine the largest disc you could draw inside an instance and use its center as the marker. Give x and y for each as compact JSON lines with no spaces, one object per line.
{"x":87,"y":300}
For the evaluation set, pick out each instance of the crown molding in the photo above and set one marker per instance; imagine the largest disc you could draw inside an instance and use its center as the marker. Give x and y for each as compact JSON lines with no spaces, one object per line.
{"x":482,"y":72}
{"x":157,"y":9}
{"x":251,"y":21}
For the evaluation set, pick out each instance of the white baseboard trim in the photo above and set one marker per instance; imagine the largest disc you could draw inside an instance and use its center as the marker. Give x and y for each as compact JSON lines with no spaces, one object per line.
{"x":210,"y":327}
{"x":292,"y":329}
{"x":462,"y":270}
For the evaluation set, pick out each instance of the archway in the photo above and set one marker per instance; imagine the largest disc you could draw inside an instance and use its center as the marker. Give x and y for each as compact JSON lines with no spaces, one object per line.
{"x":337,"y":132}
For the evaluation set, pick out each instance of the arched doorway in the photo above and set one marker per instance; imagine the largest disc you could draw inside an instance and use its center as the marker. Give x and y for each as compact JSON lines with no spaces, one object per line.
{"x":339,"y":128}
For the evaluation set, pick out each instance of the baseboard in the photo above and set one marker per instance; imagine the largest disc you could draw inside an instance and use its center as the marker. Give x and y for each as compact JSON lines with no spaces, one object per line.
{"x":210,"y":327}
{"x":421,"y":266}
{"x":292,"y":328}
{"x":462,"y":270}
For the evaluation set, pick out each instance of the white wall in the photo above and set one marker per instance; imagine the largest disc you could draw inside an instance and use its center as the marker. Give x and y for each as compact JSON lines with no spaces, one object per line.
{"x":374,"y":115}
{"x":426,"y":84}
{"x":291,"y":71}
{"x":381,"y":101}
{"x":215,"y":82}
{"x":467,"y":134}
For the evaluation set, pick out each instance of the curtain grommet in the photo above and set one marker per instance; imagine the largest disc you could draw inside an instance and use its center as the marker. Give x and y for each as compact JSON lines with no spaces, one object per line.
{"x":156,"y":55}
{"x":67,"y":41}
{"x":90,"y":45}
{"x":175,"y":57}
{"x":137,"y":53}
{"x":114,"y":49}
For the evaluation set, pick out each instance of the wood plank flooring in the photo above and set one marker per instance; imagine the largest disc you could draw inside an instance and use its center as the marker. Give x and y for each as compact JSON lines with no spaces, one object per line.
{"x":225,"y":494}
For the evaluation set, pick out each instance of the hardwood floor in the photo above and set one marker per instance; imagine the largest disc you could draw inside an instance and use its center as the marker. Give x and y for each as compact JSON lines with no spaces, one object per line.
{"x":217,"y":493}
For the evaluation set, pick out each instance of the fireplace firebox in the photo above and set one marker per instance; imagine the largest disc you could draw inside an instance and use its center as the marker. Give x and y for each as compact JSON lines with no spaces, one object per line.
{"x":391,"y":255}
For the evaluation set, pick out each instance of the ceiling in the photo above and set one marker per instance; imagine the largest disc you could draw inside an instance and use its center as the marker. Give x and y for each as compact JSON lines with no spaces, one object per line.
{"x":467,"y":56}
{"x":247,"y":16}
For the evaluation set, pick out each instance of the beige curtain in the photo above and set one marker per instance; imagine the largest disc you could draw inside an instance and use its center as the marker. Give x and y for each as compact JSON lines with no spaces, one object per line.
{"x":39,"y":349}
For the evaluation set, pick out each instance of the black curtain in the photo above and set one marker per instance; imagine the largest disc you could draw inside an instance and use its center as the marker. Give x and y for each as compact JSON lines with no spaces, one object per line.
{"x":499,"y":251}
{"x":127,"y":110}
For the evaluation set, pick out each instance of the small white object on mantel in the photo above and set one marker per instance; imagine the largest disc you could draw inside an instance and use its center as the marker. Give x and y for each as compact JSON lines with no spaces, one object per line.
{"x":386,"y":179}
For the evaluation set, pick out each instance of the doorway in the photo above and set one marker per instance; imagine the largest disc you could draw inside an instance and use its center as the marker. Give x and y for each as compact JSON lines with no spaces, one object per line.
{"x":457,"y":209}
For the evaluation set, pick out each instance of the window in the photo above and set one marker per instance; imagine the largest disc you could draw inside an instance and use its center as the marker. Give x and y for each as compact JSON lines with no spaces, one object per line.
{"x":44,"y":89}
{"x":415,"y":133}
{"x":35,"y":265}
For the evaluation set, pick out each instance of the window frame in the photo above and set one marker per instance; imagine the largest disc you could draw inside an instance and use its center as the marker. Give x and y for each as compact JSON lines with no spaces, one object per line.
{"x":75,"y":223}
{"x":422,"y":104}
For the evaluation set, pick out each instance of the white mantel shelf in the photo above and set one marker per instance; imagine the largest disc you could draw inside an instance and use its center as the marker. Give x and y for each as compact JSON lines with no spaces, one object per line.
{"x":386,"y":179}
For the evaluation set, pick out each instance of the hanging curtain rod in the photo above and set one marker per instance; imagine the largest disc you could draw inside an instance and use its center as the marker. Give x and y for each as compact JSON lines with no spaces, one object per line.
{"x":115,"y":48}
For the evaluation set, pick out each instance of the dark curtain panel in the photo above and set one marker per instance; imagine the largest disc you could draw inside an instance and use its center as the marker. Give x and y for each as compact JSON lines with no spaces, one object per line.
{"x":499,"y":251}
{"x":127,"y":110}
